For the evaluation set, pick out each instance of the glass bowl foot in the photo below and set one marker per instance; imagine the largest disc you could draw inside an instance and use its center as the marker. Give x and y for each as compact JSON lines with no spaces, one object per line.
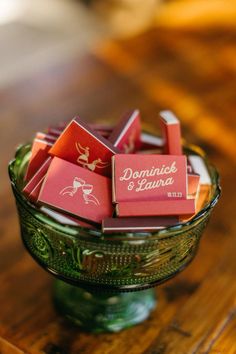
{"x":103,"y":312}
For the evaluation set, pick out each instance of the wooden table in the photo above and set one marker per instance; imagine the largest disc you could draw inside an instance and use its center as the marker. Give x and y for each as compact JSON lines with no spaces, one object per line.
{"x":190,"y":72}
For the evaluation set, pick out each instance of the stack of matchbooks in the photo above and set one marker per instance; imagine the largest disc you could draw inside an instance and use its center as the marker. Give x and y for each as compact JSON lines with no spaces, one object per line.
{"x":117,"y":178}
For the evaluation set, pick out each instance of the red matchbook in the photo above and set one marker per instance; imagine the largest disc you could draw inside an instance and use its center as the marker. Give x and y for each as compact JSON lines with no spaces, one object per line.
{"x":193,"y":185}
{"x":46,"y":137}
{"x":34,"y":194}
{"x":127,"y":134}
{"x":83,"y":146}
{"x":39,"y":153}
{"x":65,"y":219}
{"x":102,"y":129}
{"x":170,"y":127}
{"x":32,"y":188}
{"x":156,"y":208}
{"x":55,"y":132}
{"x":148,"y":177}
{"x":157,"y":151}
{"x":57,"y":129}
{"x":76,"y":191}
{"x":141,"y":224}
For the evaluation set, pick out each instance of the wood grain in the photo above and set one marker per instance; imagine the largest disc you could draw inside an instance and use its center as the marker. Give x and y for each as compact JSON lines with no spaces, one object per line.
{"x":189,"y":71}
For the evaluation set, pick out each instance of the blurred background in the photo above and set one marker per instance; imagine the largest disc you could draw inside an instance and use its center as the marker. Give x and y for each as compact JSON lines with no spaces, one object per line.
{"x":99,"y":58}
{"x":39,"y":33}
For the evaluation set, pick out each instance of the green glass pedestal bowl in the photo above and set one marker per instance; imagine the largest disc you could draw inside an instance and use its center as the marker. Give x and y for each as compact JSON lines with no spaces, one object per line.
{"x":105,"y":282}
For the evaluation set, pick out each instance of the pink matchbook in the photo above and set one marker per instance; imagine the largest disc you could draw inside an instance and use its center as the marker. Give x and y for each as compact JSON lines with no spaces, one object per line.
{"x":148,"y":177}
{"x":156,"y":208}
{"x":127,"y":134}
{"x":32,"y":188}
{"x":39,"y":153}
{"x":170,"y":127}
{"x":76,"y":191}
{"x":85,"y":147}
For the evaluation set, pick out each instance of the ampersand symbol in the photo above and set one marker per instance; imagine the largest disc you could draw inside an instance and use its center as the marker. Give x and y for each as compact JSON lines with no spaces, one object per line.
{"x":131,"y":186}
